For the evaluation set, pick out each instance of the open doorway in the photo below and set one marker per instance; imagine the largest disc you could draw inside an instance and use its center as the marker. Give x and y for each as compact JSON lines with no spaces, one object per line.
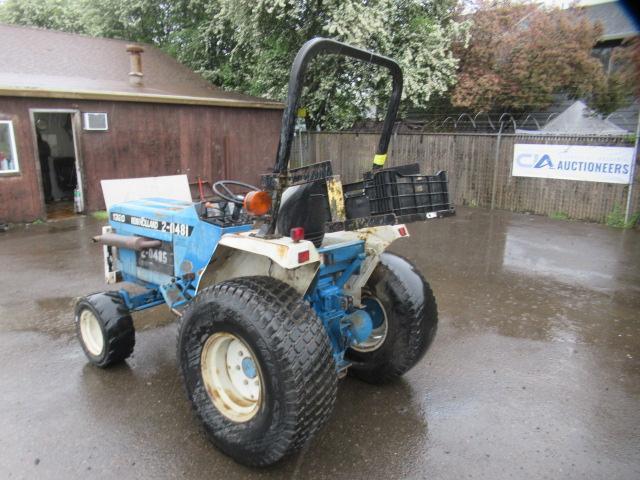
{"x":58,"y":159}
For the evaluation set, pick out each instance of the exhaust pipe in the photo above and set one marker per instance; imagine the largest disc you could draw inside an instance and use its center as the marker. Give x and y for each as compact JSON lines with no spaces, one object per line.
{"x":129,"y":242}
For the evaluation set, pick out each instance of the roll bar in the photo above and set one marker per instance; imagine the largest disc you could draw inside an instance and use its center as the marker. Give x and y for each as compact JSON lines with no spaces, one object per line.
{"x":307,"y":53}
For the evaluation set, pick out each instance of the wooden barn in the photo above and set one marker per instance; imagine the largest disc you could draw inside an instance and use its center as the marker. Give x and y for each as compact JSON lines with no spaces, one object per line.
{"x":75,"y":110}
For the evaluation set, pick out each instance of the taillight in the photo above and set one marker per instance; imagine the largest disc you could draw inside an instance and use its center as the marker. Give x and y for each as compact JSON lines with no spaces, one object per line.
{"x":402,"y":231}
{"x":257,"y":203}
{"x":303,"y":256}
{"x":297,"y":234}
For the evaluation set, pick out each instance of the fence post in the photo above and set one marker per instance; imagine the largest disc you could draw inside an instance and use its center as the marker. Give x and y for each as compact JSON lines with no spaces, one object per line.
{"x":627,"y":213}
{"x":495,"y":168}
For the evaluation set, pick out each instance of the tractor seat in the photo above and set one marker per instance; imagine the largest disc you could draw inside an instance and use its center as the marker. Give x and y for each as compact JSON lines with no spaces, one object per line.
{"x":305,"y":206}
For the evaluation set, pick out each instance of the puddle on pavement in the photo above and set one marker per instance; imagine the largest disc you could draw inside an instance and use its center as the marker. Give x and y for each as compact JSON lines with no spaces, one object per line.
{"x":51,"y":316}
{"x":55,"y":317}
{"x":513,"y":315}
{"x":62,"y":228}
{"x":153,"y":318}
{"x":529,"y":277}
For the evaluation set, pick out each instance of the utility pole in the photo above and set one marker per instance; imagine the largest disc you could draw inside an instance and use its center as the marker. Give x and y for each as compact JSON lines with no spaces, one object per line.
{"x":627,"y":213}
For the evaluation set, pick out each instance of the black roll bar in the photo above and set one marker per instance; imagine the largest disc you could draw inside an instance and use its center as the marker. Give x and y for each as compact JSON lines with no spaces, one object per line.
{"x":309,"y":51}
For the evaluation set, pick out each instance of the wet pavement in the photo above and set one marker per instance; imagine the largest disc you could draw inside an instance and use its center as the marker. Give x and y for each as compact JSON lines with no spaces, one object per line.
{"x":534,"y":373}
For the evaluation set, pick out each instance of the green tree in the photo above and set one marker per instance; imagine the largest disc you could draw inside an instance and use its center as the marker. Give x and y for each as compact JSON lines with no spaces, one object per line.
{"x":140,"y":20}
{"x":248,"y":45}
{"x":149,"y":21}
{"x":54,"y":14}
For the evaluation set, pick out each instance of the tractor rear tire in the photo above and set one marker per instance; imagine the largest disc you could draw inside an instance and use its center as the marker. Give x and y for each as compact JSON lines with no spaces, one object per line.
{"x":257,"y":367}
{"x":104,"y":328}
{"x":411,"y":316}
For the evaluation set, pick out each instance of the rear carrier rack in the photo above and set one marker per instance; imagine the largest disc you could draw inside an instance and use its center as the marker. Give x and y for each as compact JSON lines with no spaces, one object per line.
{"x":402,"y":191}
{"x":383,"y":197}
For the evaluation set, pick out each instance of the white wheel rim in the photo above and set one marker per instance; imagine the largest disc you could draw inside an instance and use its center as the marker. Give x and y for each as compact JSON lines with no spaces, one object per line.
{"x":232,"y":376}
{"x":378,"y":335}
{"x":91,"y":332}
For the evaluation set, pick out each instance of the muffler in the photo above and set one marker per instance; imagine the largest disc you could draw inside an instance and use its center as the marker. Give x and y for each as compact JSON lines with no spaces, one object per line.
{"x":129,"y":242}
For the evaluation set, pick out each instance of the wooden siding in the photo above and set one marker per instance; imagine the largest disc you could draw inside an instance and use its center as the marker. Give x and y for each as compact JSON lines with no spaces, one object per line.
{"x":143,"y":140}
{"x":470,"y":160}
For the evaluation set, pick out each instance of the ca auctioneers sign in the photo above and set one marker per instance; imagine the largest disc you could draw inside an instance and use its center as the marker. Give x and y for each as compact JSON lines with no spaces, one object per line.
{"x":573,"y":162}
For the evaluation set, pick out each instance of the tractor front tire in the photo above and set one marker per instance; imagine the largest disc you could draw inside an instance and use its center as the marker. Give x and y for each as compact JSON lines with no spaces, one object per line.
{"x":410,"y":322}
{"x":104,"y":328}
{"x":258,"y":368}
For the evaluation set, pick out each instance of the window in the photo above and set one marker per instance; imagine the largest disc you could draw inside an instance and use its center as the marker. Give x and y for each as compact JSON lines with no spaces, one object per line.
{"x":95,"y":121}
{"x":8,"y":155}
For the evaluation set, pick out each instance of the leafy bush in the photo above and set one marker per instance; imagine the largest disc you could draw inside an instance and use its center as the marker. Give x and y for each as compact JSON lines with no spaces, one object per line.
{"x":616,"y":218}
{"x":100,"y":215}
{"x":559,"y":215}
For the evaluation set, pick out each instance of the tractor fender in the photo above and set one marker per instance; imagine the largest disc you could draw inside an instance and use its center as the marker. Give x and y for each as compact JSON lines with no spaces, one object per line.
{"x":245,"y":255}
{"x":283,"y":251}
{"x":376,"y":240}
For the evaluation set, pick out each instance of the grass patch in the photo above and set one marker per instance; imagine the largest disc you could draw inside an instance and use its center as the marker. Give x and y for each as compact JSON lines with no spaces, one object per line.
{"x":616,"y":218}
{"x":100,"y":215}
{"x":559,"y":215}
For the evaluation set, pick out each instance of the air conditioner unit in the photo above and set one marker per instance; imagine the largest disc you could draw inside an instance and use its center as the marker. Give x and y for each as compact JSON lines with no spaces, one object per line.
{"x":95,"y":121}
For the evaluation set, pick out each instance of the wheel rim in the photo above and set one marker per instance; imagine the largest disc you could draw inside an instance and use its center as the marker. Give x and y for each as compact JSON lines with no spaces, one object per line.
{"x":232,"y":376}
{"x":91,"y":332}
{"x":378,"y":314}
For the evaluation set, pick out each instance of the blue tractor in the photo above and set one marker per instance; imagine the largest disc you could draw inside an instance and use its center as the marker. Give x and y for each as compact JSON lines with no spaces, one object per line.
{"x":279,"y":291}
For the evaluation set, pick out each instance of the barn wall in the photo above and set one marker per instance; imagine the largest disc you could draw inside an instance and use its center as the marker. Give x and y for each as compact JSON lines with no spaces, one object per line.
{"x":20,"y":194}
{"x":143,"y":140}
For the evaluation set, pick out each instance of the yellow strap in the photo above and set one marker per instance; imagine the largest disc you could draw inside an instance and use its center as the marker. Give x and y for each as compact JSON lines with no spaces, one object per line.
{"x":380,"y":159}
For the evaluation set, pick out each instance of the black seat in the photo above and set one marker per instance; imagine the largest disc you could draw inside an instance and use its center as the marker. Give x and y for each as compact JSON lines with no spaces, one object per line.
{"x":305,"y":206}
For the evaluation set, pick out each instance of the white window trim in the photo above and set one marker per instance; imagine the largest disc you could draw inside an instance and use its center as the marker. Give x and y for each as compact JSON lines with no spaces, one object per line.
{"x":85,"y":122}
{"x":14,"y":151}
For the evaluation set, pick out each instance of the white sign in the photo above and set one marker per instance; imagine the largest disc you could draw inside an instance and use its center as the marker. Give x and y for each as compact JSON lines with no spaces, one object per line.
{"x":573,"y":162}
{"x":175,"y":187}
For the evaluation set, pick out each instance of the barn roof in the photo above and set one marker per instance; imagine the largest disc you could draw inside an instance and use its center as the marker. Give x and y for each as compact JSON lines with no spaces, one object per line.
{"x":52,"y":64}
{"x":617,"y":21}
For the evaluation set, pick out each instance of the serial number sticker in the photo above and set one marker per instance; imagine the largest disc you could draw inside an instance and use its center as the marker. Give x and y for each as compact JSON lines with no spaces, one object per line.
{"x":173,"y":228}
{"x":155,"y":255}
{"x":157,"y":259}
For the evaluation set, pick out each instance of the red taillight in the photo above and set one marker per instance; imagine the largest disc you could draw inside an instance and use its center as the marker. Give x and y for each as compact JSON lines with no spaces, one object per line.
{"x":297,"y":234}
{"x":303,"y":256}
{"x":402,"y":231}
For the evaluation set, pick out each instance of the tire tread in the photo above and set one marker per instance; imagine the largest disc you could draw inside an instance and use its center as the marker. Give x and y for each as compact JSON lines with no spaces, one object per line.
{"x":299,"y":342}
{"x":119,"y":332}
{"x":417,"y":324}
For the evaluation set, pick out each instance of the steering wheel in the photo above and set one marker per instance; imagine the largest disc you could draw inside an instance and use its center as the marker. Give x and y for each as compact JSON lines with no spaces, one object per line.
{"x":222,"y":189}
